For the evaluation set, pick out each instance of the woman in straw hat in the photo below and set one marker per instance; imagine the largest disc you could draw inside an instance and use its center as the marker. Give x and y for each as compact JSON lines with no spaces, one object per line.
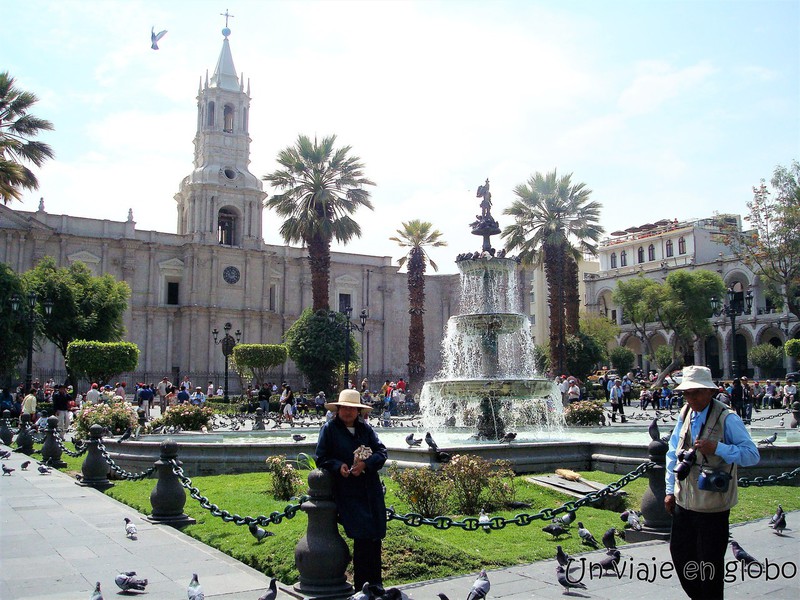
{"x":350,"y":450}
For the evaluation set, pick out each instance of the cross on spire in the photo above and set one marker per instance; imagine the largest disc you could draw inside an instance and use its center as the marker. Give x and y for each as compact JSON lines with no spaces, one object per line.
{"x":227,"y":16}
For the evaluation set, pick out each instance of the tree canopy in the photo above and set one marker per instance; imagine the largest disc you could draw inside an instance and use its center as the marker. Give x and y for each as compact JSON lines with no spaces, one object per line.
{"x":258,"y":359}
{"x":101,"y":361}
{"x":13,"y":327}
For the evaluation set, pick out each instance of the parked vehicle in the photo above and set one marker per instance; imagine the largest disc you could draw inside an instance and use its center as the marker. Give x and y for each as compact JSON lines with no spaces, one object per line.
{"x":602,"y":372}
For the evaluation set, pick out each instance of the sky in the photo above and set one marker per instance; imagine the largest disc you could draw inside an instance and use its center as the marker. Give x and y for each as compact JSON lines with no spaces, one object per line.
{"x":665,"y":110}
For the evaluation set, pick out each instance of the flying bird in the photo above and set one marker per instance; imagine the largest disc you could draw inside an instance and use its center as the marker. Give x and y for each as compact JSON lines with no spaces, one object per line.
{"x":484,"y":521}
{"x":259,"y":532}
{"x":96,"y":595}
{"x":555,"y":530}
{"x":155,"y":37}
{"x":740,"y":553}
{"x":586,"y":536}
{"x":412,"y":441}
{"x":127,"y":581}
{"x":297,"y":437}
{"x":562,"y":557}
{"x":7,"y":470}
{"x":25,"y":465}
{"x":272,"y":591}
{"x":130,"y":529}
{"x":480,"y":588}
{"x":195,"y":590}
{"x":565,"y":583}
{"x":769,"y":441}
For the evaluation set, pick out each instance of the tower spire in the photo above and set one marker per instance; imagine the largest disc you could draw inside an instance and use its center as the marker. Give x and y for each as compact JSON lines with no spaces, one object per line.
{"x":225,"y":73}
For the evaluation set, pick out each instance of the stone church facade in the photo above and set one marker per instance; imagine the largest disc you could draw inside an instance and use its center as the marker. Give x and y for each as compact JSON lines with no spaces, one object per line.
{"x":216,"y":268}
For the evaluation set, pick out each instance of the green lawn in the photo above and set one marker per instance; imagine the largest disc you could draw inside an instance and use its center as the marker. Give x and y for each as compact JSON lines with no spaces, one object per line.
{"x":410,"y":553}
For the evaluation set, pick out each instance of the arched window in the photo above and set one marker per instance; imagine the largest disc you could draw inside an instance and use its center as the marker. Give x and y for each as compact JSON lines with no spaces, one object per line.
{"x":623,"y":259}
{"x":228,"y":114}
{"x":681,"y":246}
{"x":613,"y":260}
{"x":226,"y":227}
{"x":670,"y":249}
{"x":640,"y":255}
{"x":651,"y":252}
{"x":210,"y":114}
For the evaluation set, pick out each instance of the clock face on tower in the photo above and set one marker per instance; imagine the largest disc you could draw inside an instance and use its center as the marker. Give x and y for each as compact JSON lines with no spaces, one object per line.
{"x":231,"y":275}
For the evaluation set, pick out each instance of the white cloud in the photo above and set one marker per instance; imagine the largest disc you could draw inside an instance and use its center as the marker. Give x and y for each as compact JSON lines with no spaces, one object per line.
{"x":658,"y":82}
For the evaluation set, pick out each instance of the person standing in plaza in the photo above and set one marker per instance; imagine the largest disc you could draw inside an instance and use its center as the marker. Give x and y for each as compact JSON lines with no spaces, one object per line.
{"x":29,"y":404}
{"x":61,"y":400}
{"x":701,"y":512}
{"x":350,"y":450}
{"x":617,"y":401}
{"x":163,"y":388}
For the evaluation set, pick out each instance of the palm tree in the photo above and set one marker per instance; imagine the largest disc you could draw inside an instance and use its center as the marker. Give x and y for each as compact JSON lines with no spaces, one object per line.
{"x":416,"y":235}
{"x":554,"y":222}
{"x":322,"y":187}
{"x":16,"y":127}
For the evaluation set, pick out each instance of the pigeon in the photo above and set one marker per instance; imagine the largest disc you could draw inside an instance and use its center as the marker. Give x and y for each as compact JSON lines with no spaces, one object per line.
{"x":411,"y":441}
{"x":431,"y":444}
{"x":391,"y":594}
{"x":610,"y":540}
{"x":155,"y":37}
{"x":297,"y":437}
{"x":780,"y":524}
{"x":126,"y":435}
{"x":5,"y":454}
{"x":655,"y":434}
{"x":259,"y":532}
{"x":272,"y":591}
{"x":195,"y":590}
{"x":43,"y":469}
{"x":769,"y":441}
{"x":480,"y":588}
{"x":609,"y":562}
{"x":442,"y":596}
{"x":555,"y":530}
{"x":566,"y":583}
{"x":484,"y":521}
{"x":776,"y":516}
{"x":780,"y":423}
{"x":562,"y":557}
{"x":25,"y":465}
{"x":633,"y":520}
{"x":740,"y":553}
{"x":130,"y":529}
{"x":508,"y":437}
{"x":7,"y":470}
{"x":566,"y":520}
{"x":96,"y":594}
{"x":518,"y":504}
{"x":127,"y":581}
{"x":364,"y":594}
{"x":586,"y":536}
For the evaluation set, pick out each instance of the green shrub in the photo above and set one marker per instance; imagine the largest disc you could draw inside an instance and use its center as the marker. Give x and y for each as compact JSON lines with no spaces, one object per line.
{"x":586,"y":412}
{"x":469,"y":479}
{"x":766,"y":357}
{"x":116,"y":416}
{"x":792,"y":348}
{"x":425,"y":490}
{"x":101,"y":361}
{"x":622,"y":358}
{"x":286,"y":480}
{"x":188,"y":417}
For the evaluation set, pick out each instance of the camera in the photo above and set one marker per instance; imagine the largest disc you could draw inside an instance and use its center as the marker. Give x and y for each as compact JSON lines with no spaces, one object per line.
{"x":712,"y":480}
{"x":685,"y":462}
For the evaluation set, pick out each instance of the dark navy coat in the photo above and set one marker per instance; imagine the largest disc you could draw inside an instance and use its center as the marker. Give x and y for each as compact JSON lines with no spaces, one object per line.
{"x":359,"y":500}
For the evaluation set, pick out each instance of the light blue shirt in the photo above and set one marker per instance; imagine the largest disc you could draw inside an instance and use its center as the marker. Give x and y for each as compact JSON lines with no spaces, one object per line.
{"x":736,"y":446}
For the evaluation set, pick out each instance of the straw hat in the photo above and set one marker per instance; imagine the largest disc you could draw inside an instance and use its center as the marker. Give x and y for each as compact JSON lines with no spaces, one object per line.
{"x":695,"y":378}
{"x":348,"y":398}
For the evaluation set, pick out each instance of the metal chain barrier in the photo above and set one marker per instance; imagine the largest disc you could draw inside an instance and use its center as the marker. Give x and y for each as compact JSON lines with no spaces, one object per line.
{"x":74,"y":454}
{"x":547,"y":514}
{"x":119,"y":470}
{"x":775,"y":416}
{"x":275,"y":517}
{"x":769,"y":480}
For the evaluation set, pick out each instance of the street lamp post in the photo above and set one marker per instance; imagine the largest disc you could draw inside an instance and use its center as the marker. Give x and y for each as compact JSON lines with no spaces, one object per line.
{"x":29,"y":314}
{"x":733,"y":310}
{"x":228,"y":344}
{"x":349,"y":326}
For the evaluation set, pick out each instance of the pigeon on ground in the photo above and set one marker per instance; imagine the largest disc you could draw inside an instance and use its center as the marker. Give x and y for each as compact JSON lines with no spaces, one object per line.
{"x":740,"y":553}
{"x":128,"y":433}
{"x":297,"y":437}
{"x":130,"y":529}
{"x":7,"y":470}
{"x":195,"y":590}
{"x":567,"y":519}
{"x":555,"y":530}
{"x":430,"y":442}
{"x":442,"y":596}
{"x":518,"y":504}
{"x":411,"y":441}
{"x":272,"y":591}
{"x":509,"y":437}
{"x":259,"y":532}
{"x":127,"y":581}
{"x":25,"y":465}
{"x":562,"y":557}
{"x":776,"y":516}
{"x":610,"y":540}
{"x":484,"y":521}
{"x":565,"y":583}
{"x":480,"y":588}
{"x":156,"y":37}
{"x":364,"y":594}
{"x":780,"y":524}
{"x":609,"y":562}
{"x":633,"y":521}
{"x":391,"y":594}
{"x":769,"y":441}
{"x":5,"y":454}
{"x":43,"y":469}
{"x":96,"y":595}
{"x":586,"y":536}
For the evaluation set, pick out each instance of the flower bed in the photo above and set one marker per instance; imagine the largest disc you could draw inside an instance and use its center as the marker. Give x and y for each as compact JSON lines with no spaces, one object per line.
{"x":116,"y":416}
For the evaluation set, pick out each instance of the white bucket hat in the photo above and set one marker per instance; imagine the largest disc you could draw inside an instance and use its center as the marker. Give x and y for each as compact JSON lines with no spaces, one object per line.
{"x":695,"y":377}
{"x":348,"y":398}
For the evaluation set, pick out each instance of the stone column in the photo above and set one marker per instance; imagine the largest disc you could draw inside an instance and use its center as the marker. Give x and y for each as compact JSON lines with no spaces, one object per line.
{"x":168,"y":497}
{"x":658,"y":521}
{"x":95,"y":467}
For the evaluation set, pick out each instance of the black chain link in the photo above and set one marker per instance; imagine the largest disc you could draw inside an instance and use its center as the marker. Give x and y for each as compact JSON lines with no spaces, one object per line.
{"x":775,"y":416}
{"x":119,"y":470}
{"x":769,"y":480}
{"x":275,"y":517}
{"x":547,"y":514}
{"x":84,"y":449}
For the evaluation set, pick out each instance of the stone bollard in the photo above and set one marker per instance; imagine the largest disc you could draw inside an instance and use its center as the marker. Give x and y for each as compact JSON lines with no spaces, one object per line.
{"x":795,"y":415}
{"x":258,"y":424}
{"x":95,"y":467}
{"x":168,"y":497}
{"x":321,"y":555}
{"x":658,"y":521}
{"x":51,"y":449}
{"x":6,"y":435}
{"x":24,"y":435}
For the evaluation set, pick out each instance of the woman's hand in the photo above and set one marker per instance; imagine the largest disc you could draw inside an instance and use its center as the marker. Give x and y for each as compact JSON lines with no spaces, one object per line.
{"x":358,"y":468}
{"x":344,"y":470}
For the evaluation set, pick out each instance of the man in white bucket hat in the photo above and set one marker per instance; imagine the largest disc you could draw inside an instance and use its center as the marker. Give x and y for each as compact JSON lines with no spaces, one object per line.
{"x":701,"y":492}
{"x":349,"y":449}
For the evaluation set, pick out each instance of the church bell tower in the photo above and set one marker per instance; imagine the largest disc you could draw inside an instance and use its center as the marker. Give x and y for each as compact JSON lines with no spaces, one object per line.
{"x":220,"y":202}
